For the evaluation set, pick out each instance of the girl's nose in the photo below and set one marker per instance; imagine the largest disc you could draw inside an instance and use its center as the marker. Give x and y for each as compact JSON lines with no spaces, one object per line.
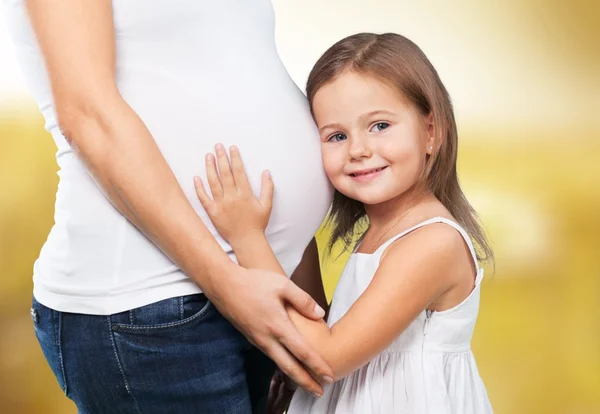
{"x":359,"y":148}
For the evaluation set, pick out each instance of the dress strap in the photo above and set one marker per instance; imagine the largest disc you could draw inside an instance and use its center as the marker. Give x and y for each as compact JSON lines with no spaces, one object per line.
{"x":433,"y":220}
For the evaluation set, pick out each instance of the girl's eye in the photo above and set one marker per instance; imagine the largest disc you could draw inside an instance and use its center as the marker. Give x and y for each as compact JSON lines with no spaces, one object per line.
{"x":336,"y":138}
{"x":379,"y":126}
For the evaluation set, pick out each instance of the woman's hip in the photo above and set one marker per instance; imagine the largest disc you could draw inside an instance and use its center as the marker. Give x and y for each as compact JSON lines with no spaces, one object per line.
{"x":176,"y":355}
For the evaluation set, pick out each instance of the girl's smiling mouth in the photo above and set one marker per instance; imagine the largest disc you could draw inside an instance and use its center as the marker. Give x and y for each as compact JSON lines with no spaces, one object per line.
{"x":365,"y":175}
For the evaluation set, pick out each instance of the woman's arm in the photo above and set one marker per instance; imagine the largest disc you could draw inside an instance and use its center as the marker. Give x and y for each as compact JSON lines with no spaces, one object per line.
{"x":77,"y":41}
{"x":415,"y":270}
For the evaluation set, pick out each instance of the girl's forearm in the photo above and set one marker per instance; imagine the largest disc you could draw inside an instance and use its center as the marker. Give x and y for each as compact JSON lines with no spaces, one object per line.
{"x":254,"y":252}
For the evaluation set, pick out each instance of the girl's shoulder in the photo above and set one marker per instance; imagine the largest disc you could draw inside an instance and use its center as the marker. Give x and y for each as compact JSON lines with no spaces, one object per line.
{"x":438,"y":238}
{"x":438,"y":246}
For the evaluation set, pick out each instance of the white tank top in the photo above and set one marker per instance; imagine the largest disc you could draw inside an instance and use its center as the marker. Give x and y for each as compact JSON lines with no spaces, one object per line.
{"x":197,"y":72}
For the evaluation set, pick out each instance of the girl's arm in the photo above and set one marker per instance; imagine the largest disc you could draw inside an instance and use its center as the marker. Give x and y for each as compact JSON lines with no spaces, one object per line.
{"x":77,"y":41}
{"x":413,"y":273}
{"x":410,"y":277}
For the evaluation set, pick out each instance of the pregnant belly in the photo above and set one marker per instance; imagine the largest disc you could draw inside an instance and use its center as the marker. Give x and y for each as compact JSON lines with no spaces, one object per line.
{"x":271,"y":125}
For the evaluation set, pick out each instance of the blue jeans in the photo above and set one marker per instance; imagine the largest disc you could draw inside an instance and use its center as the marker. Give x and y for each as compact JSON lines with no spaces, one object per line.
{"x":178,"y":355}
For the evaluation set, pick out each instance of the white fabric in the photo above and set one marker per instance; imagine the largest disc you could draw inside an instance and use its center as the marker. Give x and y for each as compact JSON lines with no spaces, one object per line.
{"x":197,"y":73}
{"x":428,"y":369}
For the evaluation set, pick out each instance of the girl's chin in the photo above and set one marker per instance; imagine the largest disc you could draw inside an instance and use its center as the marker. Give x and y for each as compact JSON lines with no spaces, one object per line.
{"x":370,"y":199}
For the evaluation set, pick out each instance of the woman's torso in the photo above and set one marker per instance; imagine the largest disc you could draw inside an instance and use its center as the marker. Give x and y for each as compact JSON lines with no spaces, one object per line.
{"x":197,"y":73}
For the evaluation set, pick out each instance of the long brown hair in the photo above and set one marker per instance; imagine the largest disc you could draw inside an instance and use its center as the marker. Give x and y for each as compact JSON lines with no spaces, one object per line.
{"x":397,"y":61}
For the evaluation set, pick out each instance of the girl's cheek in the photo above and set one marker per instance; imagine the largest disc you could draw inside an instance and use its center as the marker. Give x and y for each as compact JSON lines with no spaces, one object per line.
{"x":331,"y":165}
{"x":404,"y":150}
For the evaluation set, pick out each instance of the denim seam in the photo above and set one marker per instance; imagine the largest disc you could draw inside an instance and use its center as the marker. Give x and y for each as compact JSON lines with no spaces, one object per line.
{"x":199,"y":315}
{"x":131,"y":320}
{"x":181,"y":314}
{"x":58,"y":336}
{"x":114,"y":346}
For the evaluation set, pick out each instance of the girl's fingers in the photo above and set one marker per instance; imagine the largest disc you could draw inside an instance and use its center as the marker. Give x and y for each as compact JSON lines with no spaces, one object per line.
{"x":225,"y":174}
{"x":239,"y":173}
{"x":267,"y":190}
{"x":216,"y":189}
{"x":205,"y":200}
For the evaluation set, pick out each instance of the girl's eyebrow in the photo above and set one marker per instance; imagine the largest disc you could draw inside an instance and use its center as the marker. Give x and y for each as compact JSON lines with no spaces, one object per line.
{"x":366,"y":115}
{"x":332,"y":126}
{"x":377,"y":112}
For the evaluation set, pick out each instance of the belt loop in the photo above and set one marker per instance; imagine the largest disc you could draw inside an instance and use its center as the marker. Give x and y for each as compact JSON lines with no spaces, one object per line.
{"x":34,"y":315}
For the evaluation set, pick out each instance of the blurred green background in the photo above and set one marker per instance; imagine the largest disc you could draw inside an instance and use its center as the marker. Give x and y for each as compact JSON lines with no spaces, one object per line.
{"x":525,"y":78}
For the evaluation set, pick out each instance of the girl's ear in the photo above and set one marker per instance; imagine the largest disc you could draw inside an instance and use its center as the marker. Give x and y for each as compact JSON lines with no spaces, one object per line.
{"x":430,"y":133}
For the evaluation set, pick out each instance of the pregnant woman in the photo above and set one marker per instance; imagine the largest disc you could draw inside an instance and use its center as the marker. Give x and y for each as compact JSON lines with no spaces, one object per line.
{"x":135,"y":294}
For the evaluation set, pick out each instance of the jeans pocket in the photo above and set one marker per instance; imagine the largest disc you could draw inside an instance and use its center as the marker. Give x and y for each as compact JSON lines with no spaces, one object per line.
{"x":48,"y":331}
{"x":166,"y":315}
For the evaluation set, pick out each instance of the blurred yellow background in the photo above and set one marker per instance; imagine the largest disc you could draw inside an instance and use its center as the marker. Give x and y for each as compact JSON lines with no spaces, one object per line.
{"x":525,"y":79}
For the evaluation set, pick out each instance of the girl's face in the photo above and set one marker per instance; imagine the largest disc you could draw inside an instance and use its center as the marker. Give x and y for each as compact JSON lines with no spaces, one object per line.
{"x":374,"y":144}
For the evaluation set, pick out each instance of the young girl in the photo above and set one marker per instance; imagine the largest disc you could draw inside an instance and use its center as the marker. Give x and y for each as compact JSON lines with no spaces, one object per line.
{"x":403,"y":313}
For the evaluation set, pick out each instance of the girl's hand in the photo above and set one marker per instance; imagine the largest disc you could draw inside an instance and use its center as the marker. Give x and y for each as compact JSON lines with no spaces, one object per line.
{"x":281,"y":390}
{"x":234,"y":210}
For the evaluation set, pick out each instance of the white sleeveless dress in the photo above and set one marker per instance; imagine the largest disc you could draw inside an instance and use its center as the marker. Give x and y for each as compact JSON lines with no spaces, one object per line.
{"x":428,"y":369}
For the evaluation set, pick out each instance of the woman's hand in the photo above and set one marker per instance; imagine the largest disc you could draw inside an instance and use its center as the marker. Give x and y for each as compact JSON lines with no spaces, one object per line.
{"x":280,"y":393}
{"x":234,"y":209}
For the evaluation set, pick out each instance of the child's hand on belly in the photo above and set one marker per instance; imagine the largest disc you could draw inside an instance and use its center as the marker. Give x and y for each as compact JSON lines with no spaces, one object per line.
{"x":233,"y":209}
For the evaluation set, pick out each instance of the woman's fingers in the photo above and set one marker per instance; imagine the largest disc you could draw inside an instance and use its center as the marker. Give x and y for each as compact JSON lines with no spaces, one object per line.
{"x":225,"y":174}
{"x":296,"y":345}
{"x":291,"y":367}
{"x":302,"y":302}
{"x":214,"y":182}
{"x":239,"y":173}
